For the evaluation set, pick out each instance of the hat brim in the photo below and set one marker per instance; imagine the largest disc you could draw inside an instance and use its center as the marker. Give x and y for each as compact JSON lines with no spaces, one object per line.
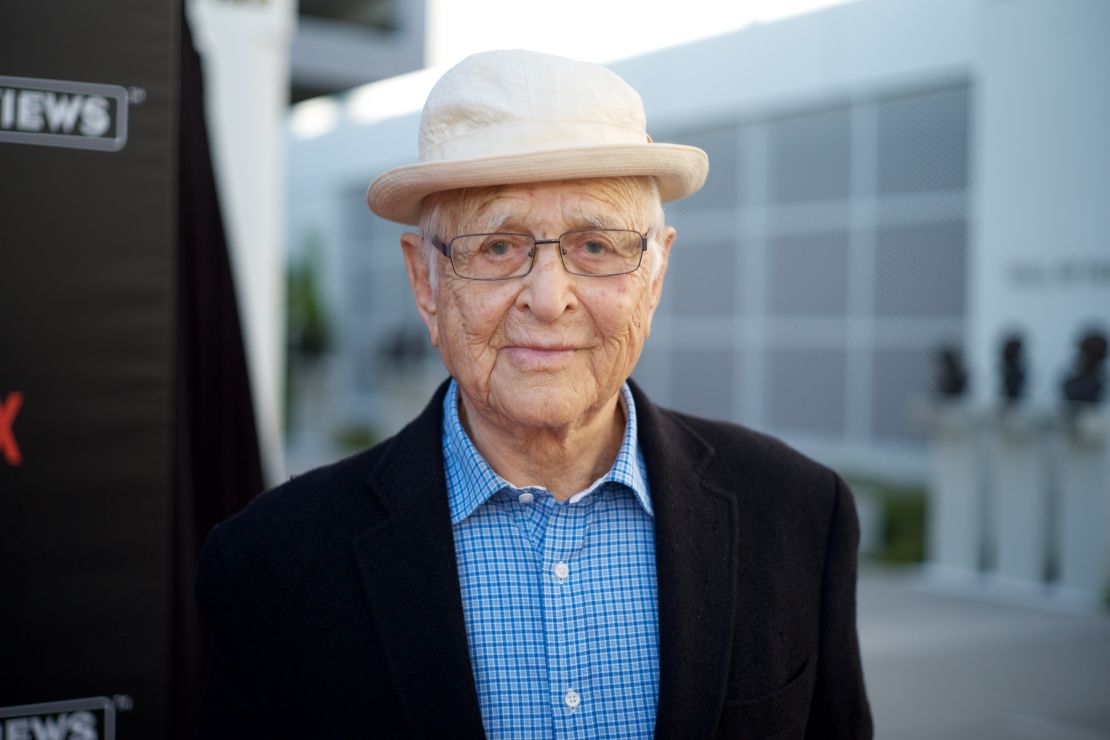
{"x":680,"y":171}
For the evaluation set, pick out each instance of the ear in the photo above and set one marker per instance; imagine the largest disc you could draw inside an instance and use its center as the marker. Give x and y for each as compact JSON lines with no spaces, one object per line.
{"x":659,"y":271}
{"x":416,"y":263}
{"x":666,"y":239}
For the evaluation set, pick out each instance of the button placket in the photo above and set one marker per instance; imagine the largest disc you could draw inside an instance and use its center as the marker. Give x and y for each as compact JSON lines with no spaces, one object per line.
{"x":566,"y":631}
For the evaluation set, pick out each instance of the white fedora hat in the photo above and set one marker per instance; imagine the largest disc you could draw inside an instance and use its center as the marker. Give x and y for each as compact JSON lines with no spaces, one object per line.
{"x":504,"y":117}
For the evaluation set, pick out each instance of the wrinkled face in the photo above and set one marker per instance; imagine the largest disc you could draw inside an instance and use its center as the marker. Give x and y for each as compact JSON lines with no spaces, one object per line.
{"x":548,"y":349}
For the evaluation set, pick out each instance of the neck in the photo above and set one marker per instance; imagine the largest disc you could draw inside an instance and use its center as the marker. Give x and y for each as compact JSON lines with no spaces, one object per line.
{"x":564,"y":460}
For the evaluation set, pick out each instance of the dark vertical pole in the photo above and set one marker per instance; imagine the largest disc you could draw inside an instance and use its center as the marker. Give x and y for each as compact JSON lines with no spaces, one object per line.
{"x":217,"y":466}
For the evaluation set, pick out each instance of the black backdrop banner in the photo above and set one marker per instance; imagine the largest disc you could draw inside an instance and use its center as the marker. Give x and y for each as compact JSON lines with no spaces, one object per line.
{"x":125,"y":422}
{"x":86,"y":274}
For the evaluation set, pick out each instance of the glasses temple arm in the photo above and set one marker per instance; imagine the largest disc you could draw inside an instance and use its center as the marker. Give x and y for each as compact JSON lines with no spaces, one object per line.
{"x":438,"y":244}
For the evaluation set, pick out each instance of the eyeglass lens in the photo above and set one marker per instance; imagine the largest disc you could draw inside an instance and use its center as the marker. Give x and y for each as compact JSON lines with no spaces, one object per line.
{"x":499,"y":256}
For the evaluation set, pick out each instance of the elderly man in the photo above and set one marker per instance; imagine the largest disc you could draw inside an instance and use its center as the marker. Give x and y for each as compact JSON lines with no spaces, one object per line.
{"x":543,"y":552}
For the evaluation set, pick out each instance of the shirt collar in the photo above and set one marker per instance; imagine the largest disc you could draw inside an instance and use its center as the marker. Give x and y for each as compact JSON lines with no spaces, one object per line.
{"x":471,"y":481}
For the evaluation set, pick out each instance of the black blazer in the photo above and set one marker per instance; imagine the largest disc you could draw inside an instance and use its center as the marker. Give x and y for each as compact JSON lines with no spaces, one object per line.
{"x":331,"y":604}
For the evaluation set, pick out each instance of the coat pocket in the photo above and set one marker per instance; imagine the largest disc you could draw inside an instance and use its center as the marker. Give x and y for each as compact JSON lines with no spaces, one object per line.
{"x":764,"y":717}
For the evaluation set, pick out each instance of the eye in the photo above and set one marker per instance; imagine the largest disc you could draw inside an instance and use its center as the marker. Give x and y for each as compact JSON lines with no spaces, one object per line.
{"x":595,"y":247}
{"x":499,"y":248}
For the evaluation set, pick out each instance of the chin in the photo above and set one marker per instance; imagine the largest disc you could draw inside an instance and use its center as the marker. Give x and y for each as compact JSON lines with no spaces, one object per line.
{"x":545,"y":405}
{"x":544,"y":412}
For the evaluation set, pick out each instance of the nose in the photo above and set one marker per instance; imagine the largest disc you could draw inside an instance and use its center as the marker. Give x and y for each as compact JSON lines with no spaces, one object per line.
{"x":548,"y":289}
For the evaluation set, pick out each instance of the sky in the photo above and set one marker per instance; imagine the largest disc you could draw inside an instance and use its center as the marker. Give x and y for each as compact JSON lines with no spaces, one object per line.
{"x":601,"y":31}
{"x":591,"y":30}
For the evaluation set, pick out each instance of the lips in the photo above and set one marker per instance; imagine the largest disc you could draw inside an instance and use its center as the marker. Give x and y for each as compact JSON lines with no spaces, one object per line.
{"x":540,"y":356}
{"x":544,"y":347}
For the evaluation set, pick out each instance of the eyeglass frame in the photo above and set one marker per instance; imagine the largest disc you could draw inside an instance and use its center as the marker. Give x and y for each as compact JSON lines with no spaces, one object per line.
{"x":445,"y":249}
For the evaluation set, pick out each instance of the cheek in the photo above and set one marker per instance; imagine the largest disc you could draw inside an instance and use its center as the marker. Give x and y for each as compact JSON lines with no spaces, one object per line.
{"x":470,"y":317}
{"x":624,"y":320}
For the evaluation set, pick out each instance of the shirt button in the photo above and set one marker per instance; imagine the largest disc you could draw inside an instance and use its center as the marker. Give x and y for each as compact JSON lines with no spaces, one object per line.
{"x":572,"y":699}
{"x":561,"y":572}
{"x":525,"y":498}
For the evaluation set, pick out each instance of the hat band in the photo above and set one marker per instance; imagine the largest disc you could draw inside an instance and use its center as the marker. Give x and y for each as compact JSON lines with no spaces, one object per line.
{"x":521,"y":138}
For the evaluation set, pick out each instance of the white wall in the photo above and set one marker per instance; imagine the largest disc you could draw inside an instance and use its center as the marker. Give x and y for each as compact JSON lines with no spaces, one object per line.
{"x":1041,"y":260}
{"x":245,"y":51}
{"x":835,"y":53}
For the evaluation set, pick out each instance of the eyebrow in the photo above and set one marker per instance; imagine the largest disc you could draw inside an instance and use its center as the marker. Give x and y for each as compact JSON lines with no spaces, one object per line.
{"x":578,"y":221}
{"x":491,"y":222}
{"x":607,"y":221}
{"x":599,"y":221}
{"x":495,"y":220}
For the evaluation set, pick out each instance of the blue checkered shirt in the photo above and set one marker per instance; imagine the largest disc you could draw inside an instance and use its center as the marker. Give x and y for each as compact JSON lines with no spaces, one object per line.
{"x":559,"y":598}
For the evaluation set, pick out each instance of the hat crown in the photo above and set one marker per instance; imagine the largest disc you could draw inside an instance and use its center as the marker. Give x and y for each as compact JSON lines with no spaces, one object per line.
{"x":506,"y":117}
{"x":511,"y":102}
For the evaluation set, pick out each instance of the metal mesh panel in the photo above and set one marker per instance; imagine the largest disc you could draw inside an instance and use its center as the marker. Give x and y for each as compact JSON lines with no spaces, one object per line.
{"x":382,"y":326}
{"x":701,"y":381}
{"x":921,"y":270}
{"x":722,"y":186}
{"x":374,"y":278}
{"x":359,"y":294}
{"x":806,"y":389}
{"x":901,"y":377}
{"x":923,"y":142}
{"x":385,"y":241}
{"x":365,"y":368}
{"x":809,"y":157}
{"x":383,"y":293}
{"x":809,"y":275}
{"x":702,"y":279}
{"x":651,"y":373}
{"x":359,"y":220}
{"x":361,"y":223}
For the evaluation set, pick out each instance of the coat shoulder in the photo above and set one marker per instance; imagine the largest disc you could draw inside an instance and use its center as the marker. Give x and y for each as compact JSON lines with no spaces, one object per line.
{"x":742,"y":453}
{"x":334,"y":502}
{"x":320,"y":497}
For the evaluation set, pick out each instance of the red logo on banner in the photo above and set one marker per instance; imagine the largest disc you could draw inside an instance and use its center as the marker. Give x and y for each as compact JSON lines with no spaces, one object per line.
{"x":9,"y":407}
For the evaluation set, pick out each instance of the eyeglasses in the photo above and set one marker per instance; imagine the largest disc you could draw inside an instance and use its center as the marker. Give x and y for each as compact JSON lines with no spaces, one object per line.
{"x":589,"y":252}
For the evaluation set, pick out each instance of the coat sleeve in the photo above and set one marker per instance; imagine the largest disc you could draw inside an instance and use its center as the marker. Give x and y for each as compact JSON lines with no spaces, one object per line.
{"x":237,"y":700}
{"x":839,"y":708}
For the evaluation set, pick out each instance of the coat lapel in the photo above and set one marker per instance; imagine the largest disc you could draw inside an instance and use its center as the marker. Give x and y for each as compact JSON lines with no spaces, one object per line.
{"x":696,"y":559}
{"x":407,"y":563}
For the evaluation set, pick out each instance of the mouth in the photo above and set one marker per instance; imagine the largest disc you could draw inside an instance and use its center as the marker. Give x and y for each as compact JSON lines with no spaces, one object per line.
{"x":539,"y":357}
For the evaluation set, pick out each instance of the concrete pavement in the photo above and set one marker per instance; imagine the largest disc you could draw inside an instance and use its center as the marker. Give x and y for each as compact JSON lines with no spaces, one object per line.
{"x":941,"y":663}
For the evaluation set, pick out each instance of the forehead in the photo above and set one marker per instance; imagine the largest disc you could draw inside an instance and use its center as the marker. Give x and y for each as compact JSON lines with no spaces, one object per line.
{"x":609,"y":202}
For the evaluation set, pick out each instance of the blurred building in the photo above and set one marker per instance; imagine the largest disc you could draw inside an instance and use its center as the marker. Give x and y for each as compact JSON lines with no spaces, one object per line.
{"x":887,"y":177}
{"x":339,"y":44}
